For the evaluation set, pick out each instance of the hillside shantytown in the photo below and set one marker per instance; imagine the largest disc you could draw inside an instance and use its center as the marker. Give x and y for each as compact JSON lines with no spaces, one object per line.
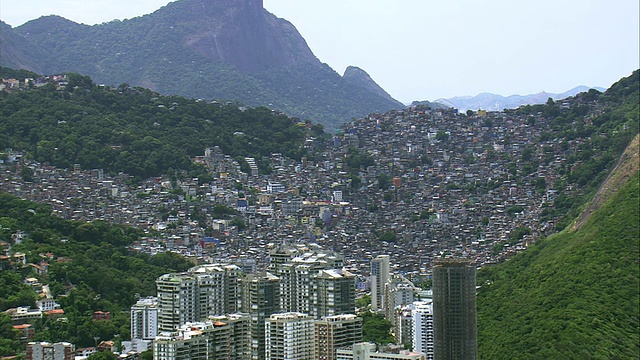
{"x":446,"y":176}
{"x":402,"y":188}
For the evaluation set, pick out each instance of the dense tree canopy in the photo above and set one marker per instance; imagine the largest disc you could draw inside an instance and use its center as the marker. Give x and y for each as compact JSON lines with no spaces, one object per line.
{"x":376,"y":329}
{"x":98,"y":274}
{"x":135,"y":130}
{"x":573,"y":295}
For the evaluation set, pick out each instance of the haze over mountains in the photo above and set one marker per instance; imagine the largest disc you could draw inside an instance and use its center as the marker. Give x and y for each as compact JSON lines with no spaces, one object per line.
{"x":222,"y":49}
{"x":493,"y":102}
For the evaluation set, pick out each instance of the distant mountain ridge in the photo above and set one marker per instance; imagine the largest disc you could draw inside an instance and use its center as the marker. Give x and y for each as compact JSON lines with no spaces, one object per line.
{"x":220,"y":49}
{"x":493,"y":102}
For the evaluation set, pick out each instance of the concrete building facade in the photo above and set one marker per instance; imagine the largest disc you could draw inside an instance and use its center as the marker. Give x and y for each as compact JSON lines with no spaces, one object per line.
{"x":260,"y":299}
{"x":336,"y":332}
{"x":379,"y":276}
{"x":454,"y":309}
{"x":422,"y":315}
{"x":192,"y":296}
{"x":144,"y":319}
{"x":367,"y":351}
{"x":289,"y":336}
{"x":49,"y":351}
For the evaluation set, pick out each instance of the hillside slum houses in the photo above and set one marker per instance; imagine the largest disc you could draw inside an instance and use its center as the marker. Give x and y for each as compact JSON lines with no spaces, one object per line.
{"x":440,"y":184}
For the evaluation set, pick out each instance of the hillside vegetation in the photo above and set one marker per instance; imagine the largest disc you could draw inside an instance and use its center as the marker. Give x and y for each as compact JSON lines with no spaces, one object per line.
{"x":602,"y":132}
{"x":576,"y":294}
{"x":90,"y":269}
{"x":136,"y":130}
{"x":570,"y":296}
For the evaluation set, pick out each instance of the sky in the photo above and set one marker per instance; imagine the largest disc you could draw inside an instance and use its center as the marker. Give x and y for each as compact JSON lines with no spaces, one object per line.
{"x":431,"y":49}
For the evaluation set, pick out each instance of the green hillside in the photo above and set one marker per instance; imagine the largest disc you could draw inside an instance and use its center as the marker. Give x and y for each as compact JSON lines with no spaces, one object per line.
{"x":574,"y":295}
{"x":136,"y":130}
{"x":90,"y":269}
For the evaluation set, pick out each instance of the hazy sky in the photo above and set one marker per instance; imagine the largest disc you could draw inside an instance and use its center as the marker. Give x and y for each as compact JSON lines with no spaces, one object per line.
{"x":430,"y":49}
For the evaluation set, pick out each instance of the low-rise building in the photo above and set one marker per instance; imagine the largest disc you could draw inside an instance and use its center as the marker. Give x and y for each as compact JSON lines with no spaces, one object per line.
{"x":49,"y":351}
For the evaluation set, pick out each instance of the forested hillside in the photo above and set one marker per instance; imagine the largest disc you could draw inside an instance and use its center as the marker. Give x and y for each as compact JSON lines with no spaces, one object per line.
{"x":135,"y":130}
{"x":570,"y":296}
{"x":576,"y":294}
{"x":90,"y":269}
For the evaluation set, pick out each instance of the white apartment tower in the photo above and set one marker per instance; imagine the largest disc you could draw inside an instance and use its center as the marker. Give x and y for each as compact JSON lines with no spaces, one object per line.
{"x":289,"y":336}
{"x":398,"y":292}
{"x":422,"y":314}
{"x":144,"y":319}
{"x":379,"y":276}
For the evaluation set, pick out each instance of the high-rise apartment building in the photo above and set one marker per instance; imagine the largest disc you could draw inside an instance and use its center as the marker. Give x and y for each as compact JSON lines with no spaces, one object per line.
{"x":144,"y":319}
{"x":195,"y":341}
{"x":304,"y":254}
{"x":240,"y":334}
{"x":336,"y":332}
{"x":379,"y":276}
{"x":260,"y":299}
{"x":454,"y":309}
{"x":334,"y":293}
{"x":289,"y":336}
{"x":422,"y":315}
{"x":177,"y":300}
{"x":218,"y":289}
{"x":296,"y":286}
{"x":398,"y":292}
{"x":192,"y":296}
{"x":311,"y":282}
{"x":403,"y":327}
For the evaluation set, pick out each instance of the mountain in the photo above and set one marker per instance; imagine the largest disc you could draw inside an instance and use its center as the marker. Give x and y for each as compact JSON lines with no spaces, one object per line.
{"x":359,"y":77}
{"x":11,"y":52}
{"x":493,"y":102}
{"x":215,"y":49}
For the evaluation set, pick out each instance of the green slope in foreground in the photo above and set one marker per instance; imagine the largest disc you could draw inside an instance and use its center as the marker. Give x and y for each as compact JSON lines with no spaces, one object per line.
{"x":574,"y":295}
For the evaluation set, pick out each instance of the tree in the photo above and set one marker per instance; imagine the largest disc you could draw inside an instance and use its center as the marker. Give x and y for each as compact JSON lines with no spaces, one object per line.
{"x":377,"y":329}
{"x":364,"y":301}
{"x":146,"y":355}
{"x":384,"y":181}
{"x":237,"y":221}
{"x":388,"y":236}
{"x":102,"y":355}
{"x":26,"y":173}
{"x":442,"y":135}
{"x":9,"y":341}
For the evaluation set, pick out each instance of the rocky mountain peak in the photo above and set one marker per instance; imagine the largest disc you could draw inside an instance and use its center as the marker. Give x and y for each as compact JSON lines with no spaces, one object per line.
{"x":356,"y":75}
{"x":240,"y":33}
